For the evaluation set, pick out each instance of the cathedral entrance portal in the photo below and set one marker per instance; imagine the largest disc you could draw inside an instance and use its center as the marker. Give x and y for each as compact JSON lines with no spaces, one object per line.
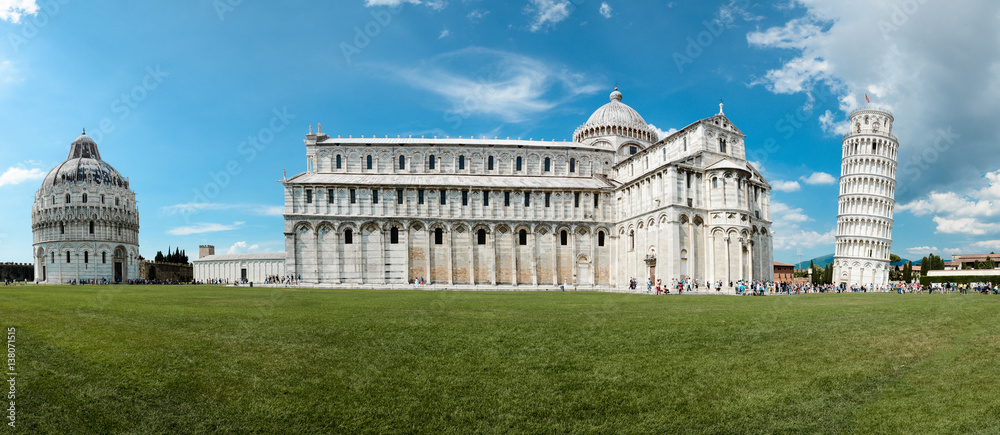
{"x":651,"y":264}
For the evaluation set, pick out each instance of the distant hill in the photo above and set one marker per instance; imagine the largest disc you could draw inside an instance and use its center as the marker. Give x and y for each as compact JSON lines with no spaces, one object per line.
{"x":825,"y":261}
{"x":818,"y":261}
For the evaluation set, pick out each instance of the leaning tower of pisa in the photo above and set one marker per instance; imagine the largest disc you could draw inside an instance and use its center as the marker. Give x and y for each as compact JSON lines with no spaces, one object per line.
{"x":867,"y":192}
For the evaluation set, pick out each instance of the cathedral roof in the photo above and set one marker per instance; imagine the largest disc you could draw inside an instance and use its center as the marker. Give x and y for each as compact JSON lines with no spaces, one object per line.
{"x":84,"y":165}
{"x":616,"y":118}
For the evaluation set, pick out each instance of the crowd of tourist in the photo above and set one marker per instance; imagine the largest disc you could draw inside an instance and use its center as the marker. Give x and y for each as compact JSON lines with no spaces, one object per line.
{"x":763,"y":288}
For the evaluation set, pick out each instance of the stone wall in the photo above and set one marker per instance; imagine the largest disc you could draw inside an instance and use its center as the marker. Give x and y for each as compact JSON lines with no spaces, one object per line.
{"x":17,"y":271}
{"x":166,"y":271}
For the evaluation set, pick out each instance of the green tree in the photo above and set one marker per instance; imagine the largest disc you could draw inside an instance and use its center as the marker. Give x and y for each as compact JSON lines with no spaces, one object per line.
{"x":893,"y":258}
{"x":929,"y":263}
{"x":908,"y":272}
{"x":159,"y":257}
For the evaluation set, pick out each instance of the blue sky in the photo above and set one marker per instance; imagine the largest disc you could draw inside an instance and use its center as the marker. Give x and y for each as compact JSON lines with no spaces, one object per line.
{"x":203,"y":104}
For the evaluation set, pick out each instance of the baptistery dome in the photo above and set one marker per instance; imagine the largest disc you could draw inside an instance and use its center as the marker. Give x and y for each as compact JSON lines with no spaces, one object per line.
{"x":83,"y":165}
{"x":615,"y":118}
{"x":84,"y":221}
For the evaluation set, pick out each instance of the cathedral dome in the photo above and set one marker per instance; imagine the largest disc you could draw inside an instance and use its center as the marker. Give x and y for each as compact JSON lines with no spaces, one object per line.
{"x":615,"y":118}
{"x":84,"y":165}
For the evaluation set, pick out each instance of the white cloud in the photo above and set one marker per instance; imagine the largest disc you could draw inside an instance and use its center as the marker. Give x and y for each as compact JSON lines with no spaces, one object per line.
{"x":444,"y":34}
{"x":788,"y":233}
{"x":922,"y":250}
{"x":819,"y":178}
{"x":20,"y":174}
{"x":13,"y":10}
{"x":730,"y":12}
{"x":832,"y":126}
{"x":605,"y":10}
{"x":968,"y":226}
{"x":201,"y":228}
{"x":974,"y":213}
{"x":433,"y":4}
{"x":987,"y":245}
{"x":477,"y":15}
{"x":785,"y":186}
{"x":661,"y":133}
{"x":882,"y":48}
{"x":547,"y":12}
{"x":510,"y":86}
{"x":197,"y":207}
{"x":242,"y":247}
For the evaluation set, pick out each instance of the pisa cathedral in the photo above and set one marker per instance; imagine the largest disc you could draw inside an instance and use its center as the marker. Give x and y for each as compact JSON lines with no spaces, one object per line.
{"x":867,"y":199}
{"x":84,"y":221}
{"x":614,"y":203}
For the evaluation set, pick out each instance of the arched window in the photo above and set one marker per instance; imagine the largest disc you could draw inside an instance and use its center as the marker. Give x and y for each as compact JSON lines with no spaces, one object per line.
{"x":102,"y":199}
{"x":522,"y":237}
{"x":548,"y":164}
{"x":632,"y":150}
{"x":572,"y":165}
{"x":67,"y":256}
{"x":84,"y":198}
{"x":394,"y":236}
{"x":481,"y":237}
{"x":600,"y":238}
{"x":67,"y":198}
{"x":715,"y":183}
{"x":53,"y":257}
{"x":489,"y":163}
{"x":62,"y":228}
{"x":116,"y":202}
{"x":563,"y":237}
{"x":104,"y":257}
{"x":348,"y":236}
{"x":517,"y":164}
{"x":430,"y":162}
{"x":402,"y":162}
{"x":91,"y":227}
{"x":461,"y":162}
{"x":338,"y":161}
{"x":438,"y":236}
{"x":722,"y":145}
{"x":86,"y":257}
{"x":369,"y":161}
{"x":631,"y":240}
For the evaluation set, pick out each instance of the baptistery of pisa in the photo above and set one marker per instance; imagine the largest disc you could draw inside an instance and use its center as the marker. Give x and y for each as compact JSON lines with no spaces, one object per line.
{"x":614,"y":203}
{"x":84,"y":221}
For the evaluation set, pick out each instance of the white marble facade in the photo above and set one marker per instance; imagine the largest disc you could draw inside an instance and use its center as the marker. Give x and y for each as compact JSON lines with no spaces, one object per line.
{"x":233,"y":268}
{"x":84,"y":221}
{"x":867,"y":200}
{"x":613,"y":204}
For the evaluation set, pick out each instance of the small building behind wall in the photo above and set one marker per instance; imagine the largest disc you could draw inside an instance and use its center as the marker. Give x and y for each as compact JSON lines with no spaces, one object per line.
{"x":239,"y":267}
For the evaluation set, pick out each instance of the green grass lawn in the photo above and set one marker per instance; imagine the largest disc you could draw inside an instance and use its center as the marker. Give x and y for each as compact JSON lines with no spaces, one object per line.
{"x":184,"y":359}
